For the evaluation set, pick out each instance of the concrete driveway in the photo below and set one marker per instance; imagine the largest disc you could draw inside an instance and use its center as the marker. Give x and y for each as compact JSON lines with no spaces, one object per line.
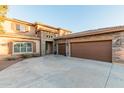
{"x":63,"y":72}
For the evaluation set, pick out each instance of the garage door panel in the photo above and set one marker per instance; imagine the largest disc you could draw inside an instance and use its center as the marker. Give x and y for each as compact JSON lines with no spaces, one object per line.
{"x":93,"y":50}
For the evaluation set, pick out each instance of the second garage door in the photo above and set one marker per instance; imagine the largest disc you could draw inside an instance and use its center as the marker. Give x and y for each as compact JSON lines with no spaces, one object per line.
{"x":62,"y":49}
{"x":98,"y":50}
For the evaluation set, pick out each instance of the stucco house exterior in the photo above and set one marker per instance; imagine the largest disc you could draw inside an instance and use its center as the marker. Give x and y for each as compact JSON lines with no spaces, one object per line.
{"x":21,"y":37}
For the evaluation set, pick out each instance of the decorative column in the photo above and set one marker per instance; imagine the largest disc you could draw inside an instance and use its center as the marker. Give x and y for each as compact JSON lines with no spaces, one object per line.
{"x":67,"y":48}
{"x":118,"y":48}
{"x":57,"y":48}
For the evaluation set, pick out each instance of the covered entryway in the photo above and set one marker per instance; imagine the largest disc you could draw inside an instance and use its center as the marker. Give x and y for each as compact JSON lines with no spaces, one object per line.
{"x":62,"y":49}
{"x":49,"y":47}
{"x":97,"y":50}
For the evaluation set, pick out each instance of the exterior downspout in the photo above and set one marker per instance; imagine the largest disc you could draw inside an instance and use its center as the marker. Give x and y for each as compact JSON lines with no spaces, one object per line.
{"x":40,"y":38}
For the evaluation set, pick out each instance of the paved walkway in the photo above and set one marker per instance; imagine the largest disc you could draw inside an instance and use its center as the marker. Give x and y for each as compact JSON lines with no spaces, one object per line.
{"x":64,"y":72}
{"x":5,"y":64}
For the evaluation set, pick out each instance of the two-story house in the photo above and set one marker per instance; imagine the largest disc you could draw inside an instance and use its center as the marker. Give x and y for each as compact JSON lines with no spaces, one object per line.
{"x":21,"y":37}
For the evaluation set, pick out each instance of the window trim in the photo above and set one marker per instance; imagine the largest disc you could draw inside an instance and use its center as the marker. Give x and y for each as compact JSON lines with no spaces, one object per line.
{"x":20,"y":26}
{"x":20,"y":48}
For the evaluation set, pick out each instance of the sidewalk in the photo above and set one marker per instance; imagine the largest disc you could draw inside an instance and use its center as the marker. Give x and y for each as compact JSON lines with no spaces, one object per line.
{"x":5,"y":64}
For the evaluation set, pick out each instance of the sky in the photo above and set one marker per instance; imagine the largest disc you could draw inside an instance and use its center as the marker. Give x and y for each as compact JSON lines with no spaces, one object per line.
{"x":75,"y":18}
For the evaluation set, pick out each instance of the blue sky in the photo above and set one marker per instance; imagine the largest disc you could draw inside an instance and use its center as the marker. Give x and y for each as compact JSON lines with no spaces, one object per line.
{"x":75,"y":18}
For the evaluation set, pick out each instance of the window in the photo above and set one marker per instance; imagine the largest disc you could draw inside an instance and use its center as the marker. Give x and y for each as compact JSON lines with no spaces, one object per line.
{"x":22,"y":47}
{"x":21,"y":28}
{"x":47,"y":36}
{"x":17,"y":27}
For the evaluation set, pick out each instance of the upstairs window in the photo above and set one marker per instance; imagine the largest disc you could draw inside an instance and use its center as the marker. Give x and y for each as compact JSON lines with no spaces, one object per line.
{"x":17,"y":27}
{"x":21,"y":28}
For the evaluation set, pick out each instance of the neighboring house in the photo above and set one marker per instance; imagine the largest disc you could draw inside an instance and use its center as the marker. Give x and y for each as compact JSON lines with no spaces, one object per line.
{"x":21,"y":37}
{"x":105,"y":44}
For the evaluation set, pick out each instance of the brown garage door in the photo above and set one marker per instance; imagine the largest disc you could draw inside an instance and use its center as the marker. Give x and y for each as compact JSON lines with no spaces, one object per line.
{"x":101,"y":50}
{"x":61,"y":49}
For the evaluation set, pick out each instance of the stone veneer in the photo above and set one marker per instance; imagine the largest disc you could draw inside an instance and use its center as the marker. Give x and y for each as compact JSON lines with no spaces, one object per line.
{"x":118,"y":48}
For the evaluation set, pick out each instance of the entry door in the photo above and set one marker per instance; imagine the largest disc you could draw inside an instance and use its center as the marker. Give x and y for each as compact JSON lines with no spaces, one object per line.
{"x":49,"y":47}
{"x":101,"y":50}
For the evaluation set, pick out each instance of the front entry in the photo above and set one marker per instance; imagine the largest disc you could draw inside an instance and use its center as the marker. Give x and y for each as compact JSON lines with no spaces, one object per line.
{"x":49,"y":47}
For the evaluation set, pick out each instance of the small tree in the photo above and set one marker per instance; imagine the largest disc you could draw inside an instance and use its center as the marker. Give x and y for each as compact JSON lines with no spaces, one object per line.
{"x":3,"y":12}
{"x":1,"y":22}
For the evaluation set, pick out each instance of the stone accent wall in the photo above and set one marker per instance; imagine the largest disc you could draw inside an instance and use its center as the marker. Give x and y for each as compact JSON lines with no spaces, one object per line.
{"x":46,"y":36}
{"x":118,"y":48}
{"x":68,"y":48}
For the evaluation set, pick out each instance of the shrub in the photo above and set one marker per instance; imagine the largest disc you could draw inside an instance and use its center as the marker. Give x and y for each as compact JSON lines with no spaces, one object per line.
{"x":11,"y":58}
{"x":35,"y":55}
{"x":26,"y":55}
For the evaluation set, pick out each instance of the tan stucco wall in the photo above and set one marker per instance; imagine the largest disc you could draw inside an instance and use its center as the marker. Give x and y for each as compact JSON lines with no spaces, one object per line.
{"x":7,"y":27}
{"x":45,"y":28}
{"x":63,"y":32}
{"x":10,"y":27}
{"x":4,"y":46}
{"x":88,"y":38}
